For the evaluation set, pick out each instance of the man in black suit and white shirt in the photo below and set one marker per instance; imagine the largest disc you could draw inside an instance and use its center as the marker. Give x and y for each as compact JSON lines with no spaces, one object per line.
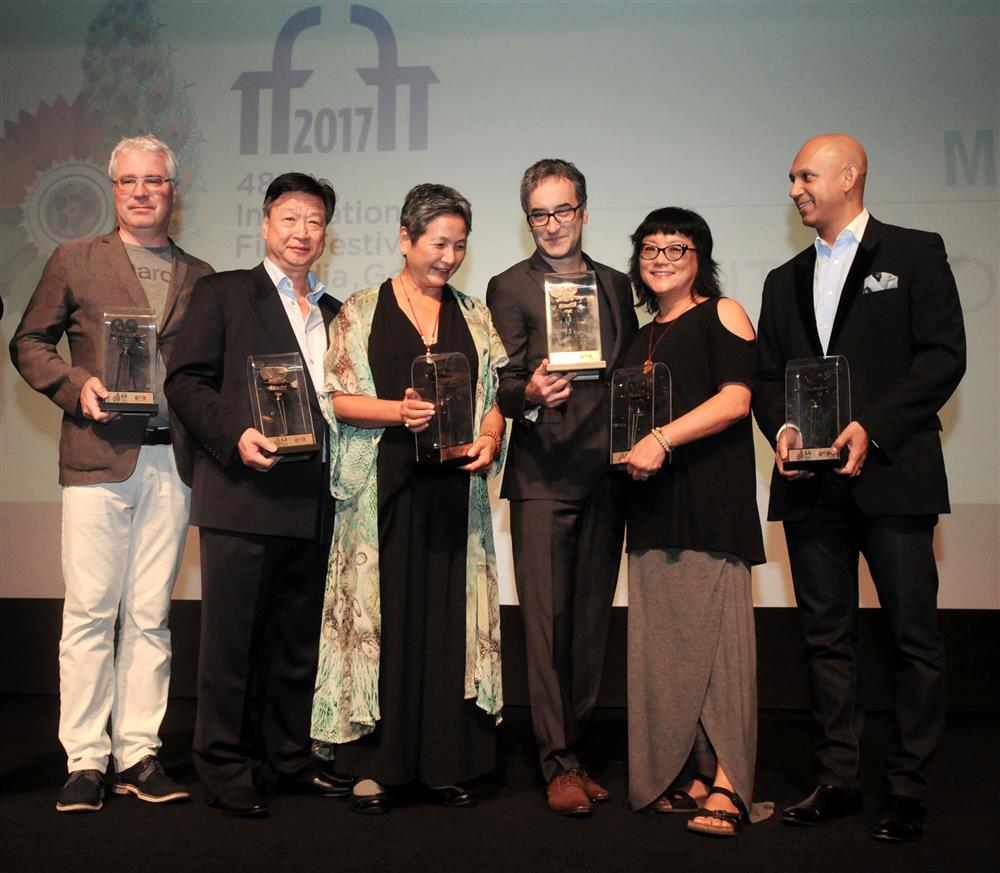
{"x":566,"y":508}
{"x":265,"y":526}
{"x":885,"y":298}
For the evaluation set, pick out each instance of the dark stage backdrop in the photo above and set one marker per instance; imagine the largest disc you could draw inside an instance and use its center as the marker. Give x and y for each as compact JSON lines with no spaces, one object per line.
{"x":29,"y":640}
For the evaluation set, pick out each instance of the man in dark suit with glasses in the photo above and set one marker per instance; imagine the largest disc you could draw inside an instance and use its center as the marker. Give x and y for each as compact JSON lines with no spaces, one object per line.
{"x":566,"y":508}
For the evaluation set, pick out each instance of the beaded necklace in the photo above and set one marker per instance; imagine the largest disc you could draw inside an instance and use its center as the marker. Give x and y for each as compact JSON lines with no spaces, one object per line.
{"x":647,"y":365}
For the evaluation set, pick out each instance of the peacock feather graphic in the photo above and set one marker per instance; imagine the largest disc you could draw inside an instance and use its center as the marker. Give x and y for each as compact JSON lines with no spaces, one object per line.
{"x":56,"y":159}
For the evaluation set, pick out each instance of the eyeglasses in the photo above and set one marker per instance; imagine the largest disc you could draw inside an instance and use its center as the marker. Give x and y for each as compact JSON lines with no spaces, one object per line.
{"x":673,"y":252}
{"x":539,"y":218}
{"x":126,"y":184}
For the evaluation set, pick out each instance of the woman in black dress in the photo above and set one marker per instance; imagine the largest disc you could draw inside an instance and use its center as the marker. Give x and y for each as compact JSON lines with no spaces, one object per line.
{"x":693,"y":532}
{"x":409,"y":678}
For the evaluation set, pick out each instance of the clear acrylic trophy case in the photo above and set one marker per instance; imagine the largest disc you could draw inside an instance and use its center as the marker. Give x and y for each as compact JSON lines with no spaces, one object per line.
{"x":640,"y":400}
{"x":573,"y":322}
{"x":128,"y":358}
{"x":817,"y":408}
{"x":444,"y":380}
{"x":279,"y":398}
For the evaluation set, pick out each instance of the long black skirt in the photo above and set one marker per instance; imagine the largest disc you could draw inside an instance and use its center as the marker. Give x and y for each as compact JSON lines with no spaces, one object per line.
{"x":427,"y":732}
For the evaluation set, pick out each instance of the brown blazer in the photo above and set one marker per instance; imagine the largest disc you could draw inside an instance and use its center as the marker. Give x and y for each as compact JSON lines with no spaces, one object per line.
{"x":81,"y":280}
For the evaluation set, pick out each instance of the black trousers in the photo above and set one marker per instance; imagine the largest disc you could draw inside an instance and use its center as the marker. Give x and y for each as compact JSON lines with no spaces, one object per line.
{"x":262,"y":601}
{"x":566,"y":560}
{"x":823,"y":551}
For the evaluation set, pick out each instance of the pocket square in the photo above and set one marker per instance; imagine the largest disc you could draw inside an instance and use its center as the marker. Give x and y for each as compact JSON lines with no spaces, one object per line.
{"x":880,"y":282}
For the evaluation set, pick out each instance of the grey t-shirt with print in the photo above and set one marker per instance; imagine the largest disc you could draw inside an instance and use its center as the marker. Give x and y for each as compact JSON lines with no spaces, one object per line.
{"x":153,"y":267}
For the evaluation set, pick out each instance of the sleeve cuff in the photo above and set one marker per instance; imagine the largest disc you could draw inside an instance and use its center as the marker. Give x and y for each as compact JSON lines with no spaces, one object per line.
{"x":781,"y":430}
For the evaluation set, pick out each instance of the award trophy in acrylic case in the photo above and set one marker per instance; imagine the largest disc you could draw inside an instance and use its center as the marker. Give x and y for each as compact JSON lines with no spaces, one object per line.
{"x":817,"y":409}
{"x":280,"y":401}
{"x":129,"y":362}
{"x":640,"y":401}
{"x":573,"y":322}
{"x":444,"y":380}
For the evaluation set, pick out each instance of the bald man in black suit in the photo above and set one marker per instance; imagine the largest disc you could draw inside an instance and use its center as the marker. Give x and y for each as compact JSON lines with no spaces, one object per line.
{"x":883,"y":297}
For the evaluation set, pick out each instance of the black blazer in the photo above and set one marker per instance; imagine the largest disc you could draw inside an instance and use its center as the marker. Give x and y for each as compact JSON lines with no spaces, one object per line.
{"x":563,"y":453}
{"x":234,"y":315}
{"x":905,"y":347}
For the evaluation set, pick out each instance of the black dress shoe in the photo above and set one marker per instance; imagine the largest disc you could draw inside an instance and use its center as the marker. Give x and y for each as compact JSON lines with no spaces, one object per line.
{"x":451,"y":795}
{"x":243,"y":802}
{"x":321,"y":783}
{"x":370,"y":804}
{"x":899,"y":819}
{"x":825,"y":803}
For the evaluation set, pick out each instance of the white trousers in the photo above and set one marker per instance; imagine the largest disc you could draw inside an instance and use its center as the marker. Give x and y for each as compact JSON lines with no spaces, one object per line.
{"x":122,"y":544}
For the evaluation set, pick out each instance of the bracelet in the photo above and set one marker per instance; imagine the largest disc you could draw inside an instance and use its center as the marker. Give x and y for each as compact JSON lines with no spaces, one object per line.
{"x":662,"y":439}
{"x":495,"y":436}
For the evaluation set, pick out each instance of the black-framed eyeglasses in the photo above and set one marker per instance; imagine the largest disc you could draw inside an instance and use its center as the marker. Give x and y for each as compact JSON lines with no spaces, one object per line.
{"x":672,"y":252}
{"x":539,"y":217}
{"x":126,"y":184}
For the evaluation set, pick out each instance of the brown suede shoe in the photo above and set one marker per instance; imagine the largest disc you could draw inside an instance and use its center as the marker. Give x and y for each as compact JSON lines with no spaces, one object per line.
{"x":566,"y":795}
{"x":592,"y":789}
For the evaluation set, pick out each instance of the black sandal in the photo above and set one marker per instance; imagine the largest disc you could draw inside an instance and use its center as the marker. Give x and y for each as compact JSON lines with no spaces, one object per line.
{"x":736,"y":819}
{"x":679,"y":800}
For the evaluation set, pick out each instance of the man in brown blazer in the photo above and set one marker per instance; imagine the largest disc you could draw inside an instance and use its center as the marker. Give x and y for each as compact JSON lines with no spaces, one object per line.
{"x":125,"y":478}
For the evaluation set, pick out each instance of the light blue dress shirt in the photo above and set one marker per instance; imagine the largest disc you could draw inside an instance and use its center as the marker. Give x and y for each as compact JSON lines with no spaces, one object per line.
{"x":309,"y":330}
{"x":832,"y":266}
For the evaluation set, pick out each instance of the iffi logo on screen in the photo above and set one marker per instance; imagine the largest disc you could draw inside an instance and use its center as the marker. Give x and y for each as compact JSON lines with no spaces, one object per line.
{"x":325,"y":130}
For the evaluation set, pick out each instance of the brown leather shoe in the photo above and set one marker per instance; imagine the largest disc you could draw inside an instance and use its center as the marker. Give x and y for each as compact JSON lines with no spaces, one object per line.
{"x":592,"y":789}
{"x":567,"y":796}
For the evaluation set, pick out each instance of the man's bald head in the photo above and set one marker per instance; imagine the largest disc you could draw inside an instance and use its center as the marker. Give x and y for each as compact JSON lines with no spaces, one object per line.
{"x":840,"y":148}
{"x":828,"y":182}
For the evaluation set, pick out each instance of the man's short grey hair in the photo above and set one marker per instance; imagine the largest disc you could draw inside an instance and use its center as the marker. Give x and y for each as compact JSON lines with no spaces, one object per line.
{"x":145,"y":143}
{"x":549,"y":168}
{"x":426,"y":202}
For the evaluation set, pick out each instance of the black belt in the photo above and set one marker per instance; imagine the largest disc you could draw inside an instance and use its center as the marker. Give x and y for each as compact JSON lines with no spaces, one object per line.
{"x":159,"y":436}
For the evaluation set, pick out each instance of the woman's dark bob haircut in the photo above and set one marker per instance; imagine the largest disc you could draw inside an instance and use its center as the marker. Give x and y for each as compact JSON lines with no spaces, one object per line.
{"x":426,"y":202}
{"x":674,"y":219}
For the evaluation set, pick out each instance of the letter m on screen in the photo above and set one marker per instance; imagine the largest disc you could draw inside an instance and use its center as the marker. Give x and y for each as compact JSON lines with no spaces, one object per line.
{"x":982,"y":157}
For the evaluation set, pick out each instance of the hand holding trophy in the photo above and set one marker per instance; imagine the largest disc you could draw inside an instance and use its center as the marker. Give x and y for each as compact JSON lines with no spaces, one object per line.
{"x":640,"y":401}
{"x":573,"y":322}
{"x":818,"y":408}
{"x":445,"y":381}
{"x":280,"y":402}
{"x":129,"y":362}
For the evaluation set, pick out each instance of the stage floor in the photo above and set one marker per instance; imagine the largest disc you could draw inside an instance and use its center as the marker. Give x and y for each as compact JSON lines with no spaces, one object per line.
{"x":510,"y":831}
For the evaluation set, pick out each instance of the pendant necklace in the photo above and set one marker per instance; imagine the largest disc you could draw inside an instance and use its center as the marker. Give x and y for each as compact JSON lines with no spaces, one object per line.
{"x":427,"y":340}
{"x":647,"y":365}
